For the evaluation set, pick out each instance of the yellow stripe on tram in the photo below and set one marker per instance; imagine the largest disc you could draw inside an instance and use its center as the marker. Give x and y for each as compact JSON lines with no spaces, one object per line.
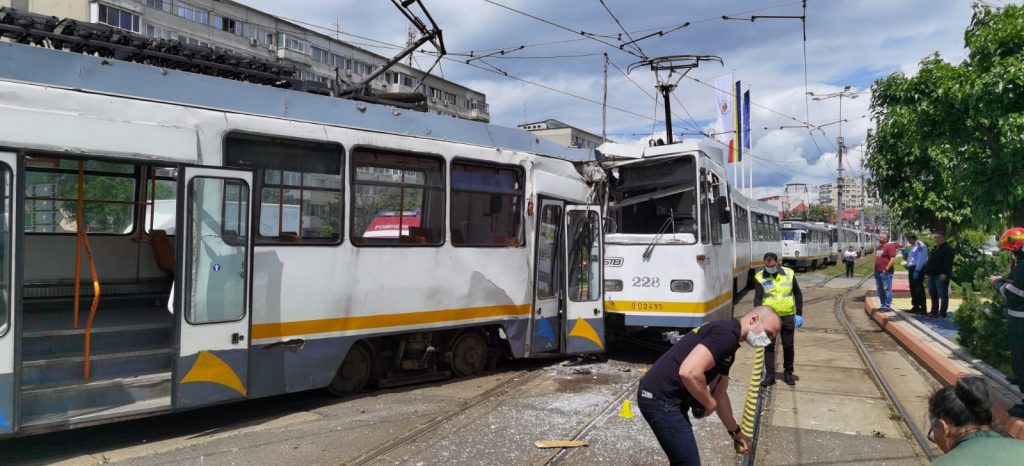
{"x":344,"y":324}
{"x":668,"y":307}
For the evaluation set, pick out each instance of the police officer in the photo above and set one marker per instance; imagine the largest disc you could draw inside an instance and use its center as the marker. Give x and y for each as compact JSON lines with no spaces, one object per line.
{"x":776,"y":287}
{"x":1012,"y":288}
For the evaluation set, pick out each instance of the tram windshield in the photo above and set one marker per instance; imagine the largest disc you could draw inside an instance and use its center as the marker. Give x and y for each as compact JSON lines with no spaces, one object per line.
{"x":797,"y":236}
{"x":658,"y":197}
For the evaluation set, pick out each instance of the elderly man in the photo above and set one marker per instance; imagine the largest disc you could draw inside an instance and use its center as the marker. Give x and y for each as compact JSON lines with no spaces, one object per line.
{"x":695,"y":371}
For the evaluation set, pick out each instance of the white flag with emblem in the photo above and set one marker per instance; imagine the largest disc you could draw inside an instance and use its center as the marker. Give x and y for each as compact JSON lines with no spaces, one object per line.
{"x":726,"y":118}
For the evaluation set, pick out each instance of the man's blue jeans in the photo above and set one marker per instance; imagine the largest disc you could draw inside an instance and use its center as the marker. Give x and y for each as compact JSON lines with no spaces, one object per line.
{"x":671,"y":427}
{"x":939,"y":289}
{"x":883,"y":285}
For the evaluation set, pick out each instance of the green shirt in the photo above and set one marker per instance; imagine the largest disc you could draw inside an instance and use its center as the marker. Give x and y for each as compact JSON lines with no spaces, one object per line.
{"x":983,"y":448}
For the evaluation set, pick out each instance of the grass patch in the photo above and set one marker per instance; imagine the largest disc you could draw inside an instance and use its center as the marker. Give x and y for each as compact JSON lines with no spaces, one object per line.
{"x":862,"y":267}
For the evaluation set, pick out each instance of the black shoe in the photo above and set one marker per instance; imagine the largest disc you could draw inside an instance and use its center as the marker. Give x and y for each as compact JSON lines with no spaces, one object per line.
{"x":788,"y":378}
{"x":769,"y":380}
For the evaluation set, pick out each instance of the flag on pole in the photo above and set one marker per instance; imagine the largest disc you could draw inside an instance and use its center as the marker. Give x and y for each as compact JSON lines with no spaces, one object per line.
{"x":726,"y":113}
{"x":739,"y":122}
{"x":746,"y":120}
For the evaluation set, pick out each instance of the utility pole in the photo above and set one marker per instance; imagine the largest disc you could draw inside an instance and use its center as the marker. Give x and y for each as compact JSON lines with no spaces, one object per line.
{"x":668,"y":71}
{"x":604,"y":103}
{"x":839,"y":146}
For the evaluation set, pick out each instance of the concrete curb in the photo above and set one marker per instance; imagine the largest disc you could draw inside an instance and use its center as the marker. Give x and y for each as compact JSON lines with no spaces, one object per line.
{"x":945,"y":370}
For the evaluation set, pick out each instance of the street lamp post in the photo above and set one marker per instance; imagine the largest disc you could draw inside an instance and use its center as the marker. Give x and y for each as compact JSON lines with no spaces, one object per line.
{"x":840,"y":146}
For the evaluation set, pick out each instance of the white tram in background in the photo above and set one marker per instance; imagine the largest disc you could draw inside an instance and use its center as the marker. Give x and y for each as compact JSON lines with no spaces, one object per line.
{"x":387,"y":246}
{"x":805,"y":245}
{"x":679,"y":242}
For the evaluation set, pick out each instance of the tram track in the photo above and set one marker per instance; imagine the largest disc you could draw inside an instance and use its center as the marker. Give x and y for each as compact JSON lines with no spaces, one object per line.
{"x":518,"y":380}
{"x":880,"y":380}
{"x":595,"y":422}
{"x":876,"y":372}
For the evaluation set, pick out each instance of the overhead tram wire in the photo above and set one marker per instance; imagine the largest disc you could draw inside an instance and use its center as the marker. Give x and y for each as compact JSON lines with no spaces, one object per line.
{"x":632,"y":42}
{"x":559,"y":26}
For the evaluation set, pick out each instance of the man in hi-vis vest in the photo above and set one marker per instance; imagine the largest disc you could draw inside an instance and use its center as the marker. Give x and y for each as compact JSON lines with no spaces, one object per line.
{"x":776,"y":287}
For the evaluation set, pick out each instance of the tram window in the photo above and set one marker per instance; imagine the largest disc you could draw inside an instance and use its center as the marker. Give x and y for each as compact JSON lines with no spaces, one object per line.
{"x":584,"y":261}
{"x":486,"y":205}
{"x":51,"y":196}
{"x":218,"y":278}
{"x":397,"y":199}
{"x":5,"y":246}
{"x":548,"y":239}
{"x":161,"y":186}
{"x":300,"y":186}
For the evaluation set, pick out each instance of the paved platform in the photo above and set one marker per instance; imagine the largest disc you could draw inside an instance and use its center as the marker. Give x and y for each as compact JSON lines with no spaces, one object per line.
{"x":834,"y":414}
{"x":946,"y":360}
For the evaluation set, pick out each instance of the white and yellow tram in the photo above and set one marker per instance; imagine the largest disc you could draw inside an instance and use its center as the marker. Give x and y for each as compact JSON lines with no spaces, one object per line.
{"x":672,"y":259}
{"x":171,"y":240}
{"x":805,"y":245}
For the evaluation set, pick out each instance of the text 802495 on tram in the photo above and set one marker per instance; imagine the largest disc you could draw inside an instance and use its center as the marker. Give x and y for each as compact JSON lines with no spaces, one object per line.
{"x":226,"y":241}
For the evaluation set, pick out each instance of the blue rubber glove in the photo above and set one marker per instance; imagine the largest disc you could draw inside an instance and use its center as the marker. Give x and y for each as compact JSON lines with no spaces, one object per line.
{"x":799,"y":321}
{"x":917,"y":275}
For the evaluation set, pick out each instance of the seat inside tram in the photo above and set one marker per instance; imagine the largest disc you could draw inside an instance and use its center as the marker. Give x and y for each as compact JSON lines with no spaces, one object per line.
{"x":114,"y":224}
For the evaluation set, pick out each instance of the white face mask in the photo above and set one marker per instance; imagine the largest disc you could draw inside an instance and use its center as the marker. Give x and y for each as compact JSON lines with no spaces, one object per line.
{"x":759,"y":339}
{"x":771,"y":270}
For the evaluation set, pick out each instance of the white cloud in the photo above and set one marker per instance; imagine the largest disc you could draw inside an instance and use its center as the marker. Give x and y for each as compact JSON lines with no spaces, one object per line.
{"x":850,"y":42}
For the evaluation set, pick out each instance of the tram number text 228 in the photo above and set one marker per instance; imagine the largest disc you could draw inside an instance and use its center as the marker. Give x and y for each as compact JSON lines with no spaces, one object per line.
{"x":646,"y":282}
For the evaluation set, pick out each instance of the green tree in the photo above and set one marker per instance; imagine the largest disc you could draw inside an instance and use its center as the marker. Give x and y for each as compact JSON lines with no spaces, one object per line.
{"x":821,"y":213}
{"x":948,"y":148}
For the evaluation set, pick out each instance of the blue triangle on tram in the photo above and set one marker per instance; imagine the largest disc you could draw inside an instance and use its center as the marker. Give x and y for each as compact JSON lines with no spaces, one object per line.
{"x":4,"y":423}
{"x":545,"y":331}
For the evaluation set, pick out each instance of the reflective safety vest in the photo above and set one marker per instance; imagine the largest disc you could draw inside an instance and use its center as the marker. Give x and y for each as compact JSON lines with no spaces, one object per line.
{"x":778,"y":291}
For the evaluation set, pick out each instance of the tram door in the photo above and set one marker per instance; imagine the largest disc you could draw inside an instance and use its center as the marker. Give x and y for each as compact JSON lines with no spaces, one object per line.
{"x":546,"y":318}
{"x":583,"y":325}
{"x":8,"y":383}
{"x":212,"y":304}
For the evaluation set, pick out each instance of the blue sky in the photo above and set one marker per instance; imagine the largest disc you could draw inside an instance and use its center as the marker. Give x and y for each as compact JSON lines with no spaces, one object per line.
{"x":850,"y":42}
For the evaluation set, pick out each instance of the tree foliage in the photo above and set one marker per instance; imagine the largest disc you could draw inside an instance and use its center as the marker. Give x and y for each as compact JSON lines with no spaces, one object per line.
{"x":814,"y":213}
{"x":948,"y":148}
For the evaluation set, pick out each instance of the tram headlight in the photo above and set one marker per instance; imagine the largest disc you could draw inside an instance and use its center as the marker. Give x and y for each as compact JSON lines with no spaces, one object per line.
{"x":613,"y":285}
{"x":681,"y":286}
{"x":796,"y":253}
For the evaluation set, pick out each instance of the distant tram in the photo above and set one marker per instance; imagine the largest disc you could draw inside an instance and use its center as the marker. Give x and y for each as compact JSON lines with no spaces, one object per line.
{"x":805,"y":245}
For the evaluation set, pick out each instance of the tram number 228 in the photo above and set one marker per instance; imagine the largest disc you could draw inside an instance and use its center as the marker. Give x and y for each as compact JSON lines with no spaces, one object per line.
{"x":646,"y":282}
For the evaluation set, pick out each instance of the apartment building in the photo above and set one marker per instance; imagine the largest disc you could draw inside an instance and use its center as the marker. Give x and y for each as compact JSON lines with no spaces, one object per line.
{"x":563,"y":134}
{"x":319,"y":55}
{"x":855,"y":194}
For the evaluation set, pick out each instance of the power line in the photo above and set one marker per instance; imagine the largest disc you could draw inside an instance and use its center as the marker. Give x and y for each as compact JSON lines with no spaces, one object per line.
{"x":632,"y":42}
{"x":559,"y":26}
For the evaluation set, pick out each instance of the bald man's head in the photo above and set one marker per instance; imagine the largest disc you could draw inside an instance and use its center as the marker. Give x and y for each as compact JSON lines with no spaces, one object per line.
{"x":758,"y":317}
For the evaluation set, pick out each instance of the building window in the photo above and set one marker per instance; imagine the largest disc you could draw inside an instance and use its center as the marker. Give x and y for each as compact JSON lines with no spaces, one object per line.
{"x":227,"y":24}
{"x":486,"y":205}
{"x":397,"y":199}
{"x":119,"y":18}
{"x":261,"y":36}
{"x":340,"y":62}
{"x":320,"y":55}
{"x":159,"y":33}
{"x":162,"y":5}
{"x":408,"y":81}
{"x":289,"y":41}
{"x":191,"y":41}
{"x":51,"y":193}
{"x":192,"y":13}
{"x":449,"y":98}
{"x":300,"y":187}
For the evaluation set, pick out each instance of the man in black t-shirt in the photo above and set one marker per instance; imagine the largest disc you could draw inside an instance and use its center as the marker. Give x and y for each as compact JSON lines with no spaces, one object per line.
{"x":695,"y":371}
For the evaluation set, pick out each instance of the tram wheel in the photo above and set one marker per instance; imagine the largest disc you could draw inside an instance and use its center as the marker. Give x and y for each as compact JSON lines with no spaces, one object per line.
{"x":469,"y":354}
{"x":354,"y":372}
